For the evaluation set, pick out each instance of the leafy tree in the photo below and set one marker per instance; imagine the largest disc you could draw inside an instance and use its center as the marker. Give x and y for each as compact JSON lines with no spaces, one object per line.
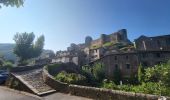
{"x":158,"y":73}
{"x":25,"y":48}
{"x":11,"y":3}
{"x":98,"y":71}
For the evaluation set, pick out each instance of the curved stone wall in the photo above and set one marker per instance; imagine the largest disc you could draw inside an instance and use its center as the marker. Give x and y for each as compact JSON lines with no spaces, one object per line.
{"x":95,"y":93}
{"x":57,"y":85}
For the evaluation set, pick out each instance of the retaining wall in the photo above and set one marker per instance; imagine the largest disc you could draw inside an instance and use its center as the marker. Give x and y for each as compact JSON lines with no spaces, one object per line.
{"x":15,"y":83}
{"x":95,"y":93}
{"x":25,"y":68}
{"x":57,"y":85}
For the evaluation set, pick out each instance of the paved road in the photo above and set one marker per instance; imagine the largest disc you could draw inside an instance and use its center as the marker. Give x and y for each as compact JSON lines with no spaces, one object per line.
{"x":10,"y":94}
{"x":61,"y":96}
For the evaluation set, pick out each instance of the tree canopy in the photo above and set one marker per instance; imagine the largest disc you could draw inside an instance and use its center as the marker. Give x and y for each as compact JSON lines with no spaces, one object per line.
{"x":25,"y":47}
{"x":11,"y":3}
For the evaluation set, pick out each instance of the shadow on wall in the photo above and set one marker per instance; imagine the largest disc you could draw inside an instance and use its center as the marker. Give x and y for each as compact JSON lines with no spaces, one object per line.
{"x":70,"y":67}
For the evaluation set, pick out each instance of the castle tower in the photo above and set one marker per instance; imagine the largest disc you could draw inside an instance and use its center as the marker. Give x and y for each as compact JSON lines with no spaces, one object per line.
{"x":88,"y":40}
{"x":122,"y":35}
{"x":103,"y":38}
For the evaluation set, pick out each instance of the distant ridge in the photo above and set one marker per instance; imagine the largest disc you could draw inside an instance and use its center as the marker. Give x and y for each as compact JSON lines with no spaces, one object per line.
{"x":6,"y":49}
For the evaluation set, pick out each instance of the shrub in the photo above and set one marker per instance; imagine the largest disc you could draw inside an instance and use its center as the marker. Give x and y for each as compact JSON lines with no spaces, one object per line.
{"x":6,"y":65}
{"x":158,"y":73}
{"x":108,"y":84}
{"x":70,"y":78}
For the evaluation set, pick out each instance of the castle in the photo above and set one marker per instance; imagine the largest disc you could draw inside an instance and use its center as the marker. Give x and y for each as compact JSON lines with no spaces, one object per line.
{"x":117,"y":51}
{"x":91,"y":50}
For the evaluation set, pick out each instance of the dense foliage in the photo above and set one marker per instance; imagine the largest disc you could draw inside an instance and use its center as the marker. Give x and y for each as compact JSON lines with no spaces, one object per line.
{"x":70,"y":78}
{"x":152,"y":80}
{"x":97,"y":71}
{"x":25,"y":48}
{"x":5,"y":64}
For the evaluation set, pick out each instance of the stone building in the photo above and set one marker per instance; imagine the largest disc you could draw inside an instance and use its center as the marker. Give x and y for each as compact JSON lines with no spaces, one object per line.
{"x":93,"y":54}
{"x":91,"y":50}
{"x":149,"y":51}
{"x":144,"y":43}
{"x":128,"y":62}
{"x":65,"y":57}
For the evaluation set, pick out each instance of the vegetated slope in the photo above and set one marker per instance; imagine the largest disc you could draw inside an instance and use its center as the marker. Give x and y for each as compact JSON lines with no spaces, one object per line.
{"x":6,"y":50}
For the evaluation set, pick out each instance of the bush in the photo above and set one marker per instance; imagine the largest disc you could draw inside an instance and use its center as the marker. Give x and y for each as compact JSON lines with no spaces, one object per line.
{"x":6,"y":65}
{"x":108,"y":84}
{"x":70,"y":78}
{"x":158,"y":73}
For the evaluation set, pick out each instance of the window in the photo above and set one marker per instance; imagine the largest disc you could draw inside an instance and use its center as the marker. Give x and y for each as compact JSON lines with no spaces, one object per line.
{"x":158,"y":55}
{"x":144,"y":64}
{"x":127,"y":57}
{"x":127,"y":66}
{"x":144,"y":55}
{"x":158,"y":42}
{"x":115,"y":57}
{"x":168,"y":41}
{"x":116,"y":66}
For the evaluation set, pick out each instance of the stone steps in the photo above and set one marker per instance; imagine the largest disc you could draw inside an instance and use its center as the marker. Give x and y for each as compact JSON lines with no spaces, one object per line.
{"x":33,"y":80}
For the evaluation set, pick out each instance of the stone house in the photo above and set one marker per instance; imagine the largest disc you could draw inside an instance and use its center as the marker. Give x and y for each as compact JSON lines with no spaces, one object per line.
{"x":65,"y":57}
{"x":128,"y":62}
{"x":144,"y":43}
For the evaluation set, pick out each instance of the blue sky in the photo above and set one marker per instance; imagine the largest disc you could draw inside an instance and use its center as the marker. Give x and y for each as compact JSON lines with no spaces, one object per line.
{"x":70,"y":21}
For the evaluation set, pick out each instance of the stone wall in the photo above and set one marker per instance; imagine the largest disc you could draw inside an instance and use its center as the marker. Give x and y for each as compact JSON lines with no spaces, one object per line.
{"x":107,"y":94}
{"x":95,"y":93}
{"x":25,"y":68}
{"x":57,"y":85}
{"x":68,"y":67}
{"x":15,"y":83}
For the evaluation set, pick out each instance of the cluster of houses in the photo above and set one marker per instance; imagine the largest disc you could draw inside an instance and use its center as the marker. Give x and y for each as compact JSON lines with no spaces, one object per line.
{"x":117,"y":51}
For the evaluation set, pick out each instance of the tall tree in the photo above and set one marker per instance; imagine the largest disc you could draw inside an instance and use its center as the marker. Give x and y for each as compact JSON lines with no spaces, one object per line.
{"x":11,"y":3}
{"x":25,"y":48}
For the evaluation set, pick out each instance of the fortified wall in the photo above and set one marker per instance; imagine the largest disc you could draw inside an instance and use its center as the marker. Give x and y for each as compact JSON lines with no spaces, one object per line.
{"x":120,"y":36}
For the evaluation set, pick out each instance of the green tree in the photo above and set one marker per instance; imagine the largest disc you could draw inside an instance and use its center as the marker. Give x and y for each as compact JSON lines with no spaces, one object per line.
{"x":11,"y":3}
{"x":25,"y":48}
{"x":98,"y":71}
{"x":140,"y":74}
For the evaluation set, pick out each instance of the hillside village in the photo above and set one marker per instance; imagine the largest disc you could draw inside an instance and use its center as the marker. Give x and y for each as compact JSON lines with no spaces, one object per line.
{"x":112,"y":62}
{"x":110,"y":66}
{"x":116,"y":50}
